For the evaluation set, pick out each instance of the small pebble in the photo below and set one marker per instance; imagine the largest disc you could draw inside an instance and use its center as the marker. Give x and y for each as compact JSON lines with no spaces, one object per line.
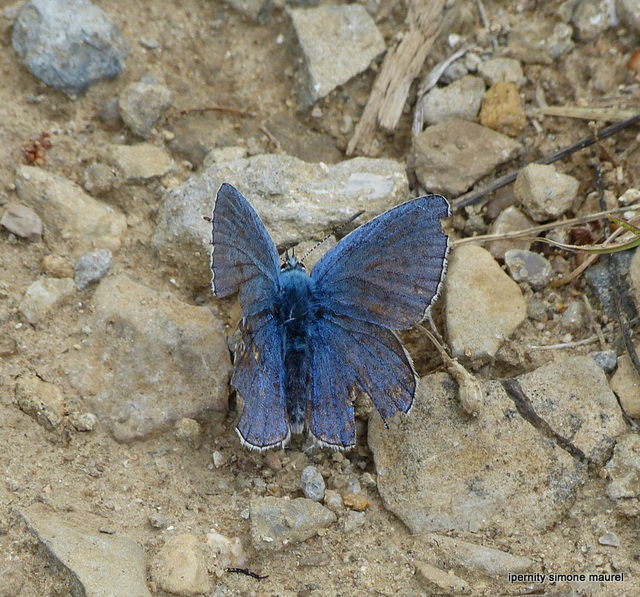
{"x":219,"y":459}
{"x":22,"y":221}
{"x":502,"y":109}
{"x":607,"y":359}
{"x":609,"y":539}
{"x":83,"y":421}
{"x":56,"y":266}
{"x":188,"y":431}
{"x":142,"y":105}
{"x":273,"y":461}
{"x":333,"y":500}
{"x":157,"y":520}
{"x":573,"y":316}
{"x":91,"y":267}
{"x":529,"y":267}
{"x":312,"y":484}
{"x":356,"y":501}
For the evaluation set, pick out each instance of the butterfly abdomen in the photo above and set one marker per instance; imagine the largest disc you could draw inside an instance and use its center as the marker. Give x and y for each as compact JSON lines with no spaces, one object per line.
{"x":297,"y":312}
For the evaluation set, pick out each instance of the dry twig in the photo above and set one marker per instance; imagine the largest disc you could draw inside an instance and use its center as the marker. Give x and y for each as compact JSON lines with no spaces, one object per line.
{"x":400,"y":67}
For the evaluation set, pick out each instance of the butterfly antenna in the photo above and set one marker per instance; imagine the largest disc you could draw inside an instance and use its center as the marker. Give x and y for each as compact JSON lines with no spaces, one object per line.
{"x":312,"y":249}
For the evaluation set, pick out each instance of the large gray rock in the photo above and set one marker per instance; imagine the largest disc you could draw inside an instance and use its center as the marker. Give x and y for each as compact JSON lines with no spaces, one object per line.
{"x":573,"y":397}
{"x":483,"y":306}
{"x":149,"y":360}
{"x":94,"y":564}
{"x":297,"y":201}
{"x":439,"y":469}
{"x":337,"y":43}
{"x":72,"y":218}
{"x":68,"y":44}
{"x":450,"y":157}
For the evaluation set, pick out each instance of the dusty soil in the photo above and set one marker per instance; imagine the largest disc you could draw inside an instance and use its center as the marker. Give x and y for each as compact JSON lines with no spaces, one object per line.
{"x":210,"y":56}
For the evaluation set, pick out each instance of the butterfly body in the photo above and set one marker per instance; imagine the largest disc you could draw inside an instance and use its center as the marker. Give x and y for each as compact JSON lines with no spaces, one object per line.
{"x":310,"y":343}
{"x":297,"y":311}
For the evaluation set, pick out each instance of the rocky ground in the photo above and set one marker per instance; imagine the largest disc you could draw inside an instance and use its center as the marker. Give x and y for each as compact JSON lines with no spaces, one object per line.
{"x":121,"y":470}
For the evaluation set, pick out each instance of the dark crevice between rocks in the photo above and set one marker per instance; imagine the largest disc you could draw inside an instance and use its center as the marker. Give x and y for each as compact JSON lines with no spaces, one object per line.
{"x":515,"y":392}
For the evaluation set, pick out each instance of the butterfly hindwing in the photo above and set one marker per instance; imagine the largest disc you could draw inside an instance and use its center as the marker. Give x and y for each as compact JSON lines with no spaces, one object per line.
{"x":355,"y":355}
{"x":258,"y":378}
{"x":389,"y":270}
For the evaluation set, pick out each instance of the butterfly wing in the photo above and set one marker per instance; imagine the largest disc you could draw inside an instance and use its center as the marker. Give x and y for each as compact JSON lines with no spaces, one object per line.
{"x":352,"y":355}
{"x":258,"y":378}
{"x":243,"y":257}
{"x":389,"y":270}
{"x":381,"y":277}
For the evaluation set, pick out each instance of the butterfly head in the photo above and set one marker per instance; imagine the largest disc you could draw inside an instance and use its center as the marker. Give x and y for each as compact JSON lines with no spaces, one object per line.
{"x":291,"y":263}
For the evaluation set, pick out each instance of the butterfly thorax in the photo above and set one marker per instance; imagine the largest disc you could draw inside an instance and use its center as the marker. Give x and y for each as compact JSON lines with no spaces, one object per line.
{"x":297,"y":312}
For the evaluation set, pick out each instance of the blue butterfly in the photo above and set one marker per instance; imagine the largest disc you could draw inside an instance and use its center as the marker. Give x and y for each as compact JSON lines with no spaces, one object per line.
{"x":310,"y":343}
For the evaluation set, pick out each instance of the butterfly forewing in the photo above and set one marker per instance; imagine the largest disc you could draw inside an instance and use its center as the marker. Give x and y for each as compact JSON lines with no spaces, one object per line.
{"x":244,"y":257}
{"x":389,"y":270}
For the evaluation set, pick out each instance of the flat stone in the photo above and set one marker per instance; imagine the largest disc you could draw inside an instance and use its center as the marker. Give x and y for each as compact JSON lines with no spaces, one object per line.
{"x":502,"y":109}
{"x":540,"y":40}
{"x":141,"y":162}
{"x":180,"y":566}
{"x":511,"y":219}
{"x":41,"y":400}
{"x":529,"y":267}
{"x":71,"y":216}
{"x":68,"y":44}
{"x":93,"y":563}
{"x":22,"y":221}
{"x":142,"y":105}
{"x":574,"y":399}
{"x":507,"y":70}
{"x":438,"y":582}
{"x":336,"y":43}
{"x":182,"y":365}
{"x":450,"y":157}
{"x":91,"y":267}
{"x":277,"y":522}
{"x":461,"y":99}
{"x":483,"y":306}
{"x":469,"y":559}
{"x":439,"y":469}
{"x":296,"y":200}
{"x":544,"y":193}
{"x":44,"y":295}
